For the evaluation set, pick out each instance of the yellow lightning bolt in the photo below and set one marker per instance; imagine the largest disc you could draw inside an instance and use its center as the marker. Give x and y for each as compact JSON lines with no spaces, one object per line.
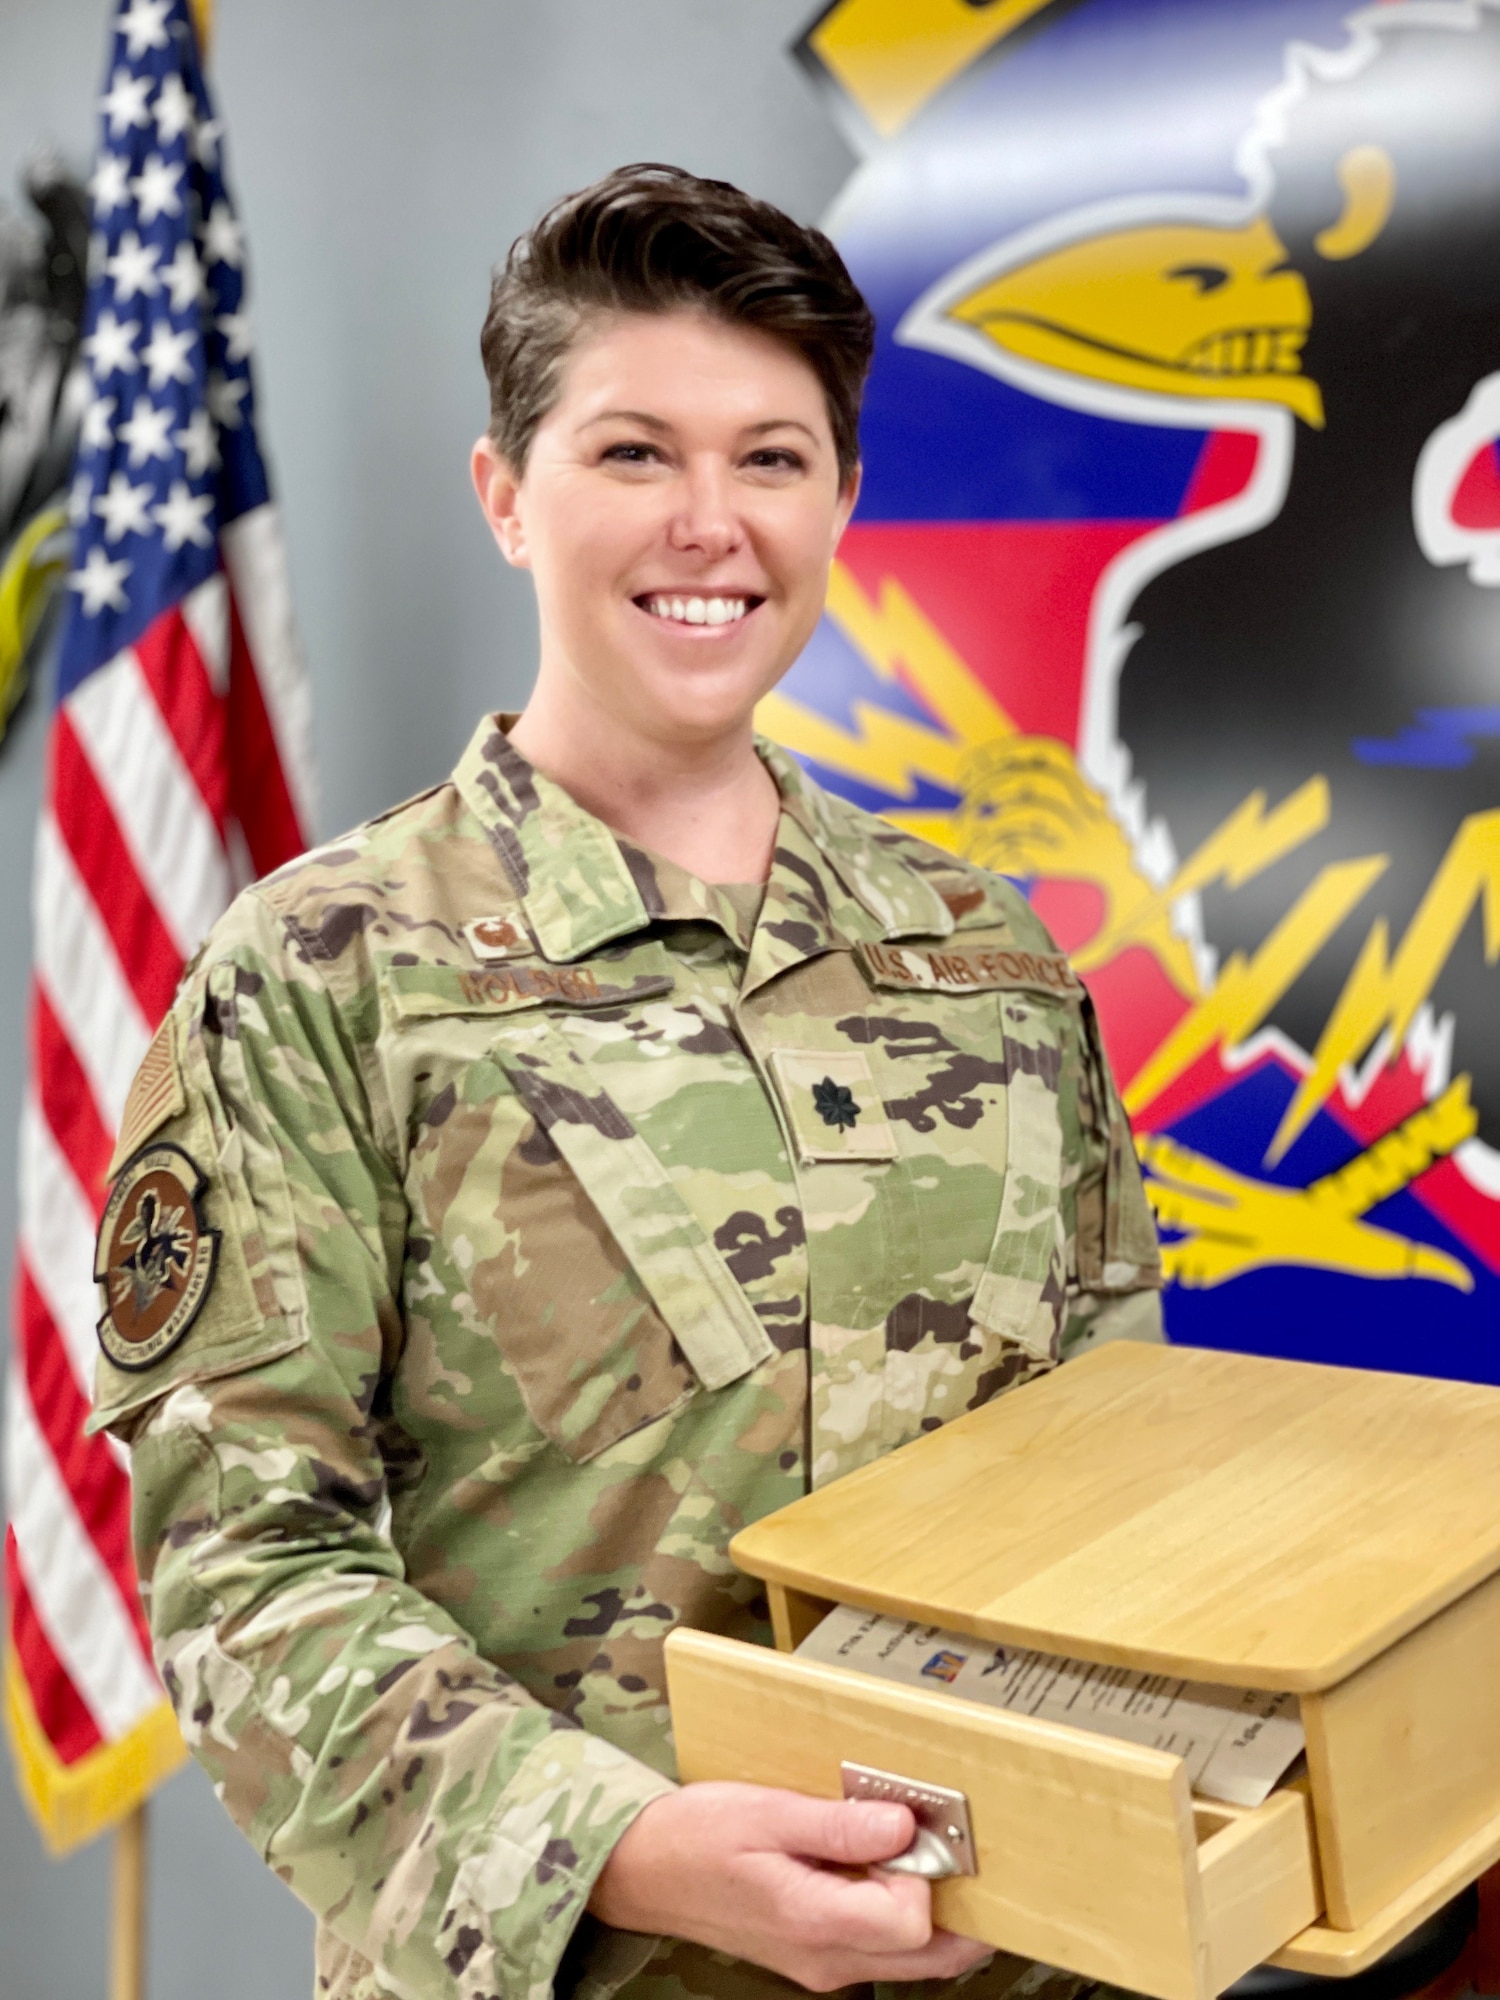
{"x":1249,"y":841}
{"x":1380,"y":995}
{"x":884,"y":749}
{"x":900,"y":643}
{"x":1247,"y":989}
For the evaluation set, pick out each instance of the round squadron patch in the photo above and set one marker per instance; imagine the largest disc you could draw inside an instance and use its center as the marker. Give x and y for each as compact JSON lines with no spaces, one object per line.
{"x":156,"y":1256}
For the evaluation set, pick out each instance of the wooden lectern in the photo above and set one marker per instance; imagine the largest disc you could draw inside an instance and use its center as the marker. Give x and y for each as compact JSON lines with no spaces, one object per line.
{"x":1329,"y":1532}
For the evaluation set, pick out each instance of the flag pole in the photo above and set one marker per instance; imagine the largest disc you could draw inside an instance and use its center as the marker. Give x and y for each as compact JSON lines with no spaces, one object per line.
{"x":127,"y":1930}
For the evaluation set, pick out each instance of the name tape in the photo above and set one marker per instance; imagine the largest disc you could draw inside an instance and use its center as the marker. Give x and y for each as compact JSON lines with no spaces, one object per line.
{"x":523,"y":985}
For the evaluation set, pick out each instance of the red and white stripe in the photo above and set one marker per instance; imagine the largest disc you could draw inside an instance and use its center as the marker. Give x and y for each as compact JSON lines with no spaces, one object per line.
{"x":176,"y":772}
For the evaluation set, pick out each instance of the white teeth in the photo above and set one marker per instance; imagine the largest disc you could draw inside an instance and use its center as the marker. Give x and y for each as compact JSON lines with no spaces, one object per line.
{"x":698,"y":610}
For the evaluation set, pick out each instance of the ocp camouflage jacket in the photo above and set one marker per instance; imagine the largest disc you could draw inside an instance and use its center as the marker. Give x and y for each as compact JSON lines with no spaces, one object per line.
{"x":505,"y":1224}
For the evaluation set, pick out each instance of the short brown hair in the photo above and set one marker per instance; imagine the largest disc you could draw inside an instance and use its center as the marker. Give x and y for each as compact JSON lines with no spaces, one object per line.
{"x":655,"y":239}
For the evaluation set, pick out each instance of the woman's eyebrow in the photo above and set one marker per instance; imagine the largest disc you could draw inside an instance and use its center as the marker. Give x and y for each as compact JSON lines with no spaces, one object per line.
{"x":660,"y":424}
{"x":781,"y":424}
{"x":643,"y":417}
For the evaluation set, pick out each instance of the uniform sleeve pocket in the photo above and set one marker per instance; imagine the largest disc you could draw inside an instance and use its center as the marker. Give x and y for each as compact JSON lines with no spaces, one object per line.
{"x":196,"y":1262}
{"x":1021,"y":1293}
{"x":1117,"y":1245}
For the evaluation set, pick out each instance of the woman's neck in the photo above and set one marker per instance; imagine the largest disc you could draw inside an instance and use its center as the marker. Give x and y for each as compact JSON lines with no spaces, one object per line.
{"x":710,"y":806}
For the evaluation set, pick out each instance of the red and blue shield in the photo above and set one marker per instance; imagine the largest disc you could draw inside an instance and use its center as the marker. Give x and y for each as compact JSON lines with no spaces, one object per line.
{"x":1174,"y":593}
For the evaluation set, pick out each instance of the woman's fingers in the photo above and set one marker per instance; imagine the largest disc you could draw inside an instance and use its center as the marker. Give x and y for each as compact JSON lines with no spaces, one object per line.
{"x":851,"y":1832}
{"x":758,"y":1873}
{"x":862,"y":1913}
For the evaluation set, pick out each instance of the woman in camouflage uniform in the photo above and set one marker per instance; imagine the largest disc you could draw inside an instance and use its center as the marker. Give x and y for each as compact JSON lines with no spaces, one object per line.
{"x":576,"y":1163}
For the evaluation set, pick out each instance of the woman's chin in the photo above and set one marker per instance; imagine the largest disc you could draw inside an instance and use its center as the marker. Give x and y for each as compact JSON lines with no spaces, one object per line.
{"x":695,"y":701}
{"x":692,"y":716}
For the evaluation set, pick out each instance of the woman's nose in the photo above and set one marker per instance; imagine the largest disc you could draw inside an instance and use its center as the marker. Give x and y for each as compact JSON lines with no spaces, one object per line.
{"x":706,"y":518}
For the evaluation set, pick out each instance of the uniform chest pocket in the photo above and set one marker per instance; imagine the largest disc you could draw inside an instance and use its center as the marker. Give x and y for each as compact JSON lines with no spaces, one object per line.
{"x":997,"y":1017}
{"x":644,"y":1308}
{"x":608,"y":1302}
{"x":984,"y":1119}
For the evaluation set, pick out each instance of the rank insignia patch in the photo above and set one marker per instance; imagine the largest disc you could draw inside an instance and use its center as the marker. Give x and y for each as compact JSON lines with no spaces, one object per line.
{"x":832,"y":1104}
{"x":156,"y":1256}
{"x":835,"y":1102}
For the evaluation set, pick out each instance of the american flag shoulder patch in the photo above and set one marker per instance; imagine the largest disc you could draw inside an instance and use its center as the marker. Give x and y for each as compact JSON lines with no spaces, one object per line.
{"x":155,"y":1096}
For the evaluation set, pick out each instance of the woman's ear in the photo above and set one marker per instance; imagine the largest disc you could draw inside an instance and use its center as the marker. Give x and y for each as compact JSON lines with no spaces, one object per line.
{"x":499,"y":492}
{"x":848,"y":496}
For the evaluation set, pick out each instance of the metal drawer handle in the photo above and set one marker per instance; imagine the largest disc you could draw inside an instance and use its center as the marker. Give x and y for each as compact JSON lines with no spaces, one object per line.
{"x":943,"y":1844}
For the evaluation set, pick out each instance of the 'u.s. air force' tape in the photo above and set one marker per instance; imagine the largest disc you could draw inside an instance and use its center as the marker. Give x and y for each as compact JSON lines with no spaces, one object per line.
{"x":968,"y":969}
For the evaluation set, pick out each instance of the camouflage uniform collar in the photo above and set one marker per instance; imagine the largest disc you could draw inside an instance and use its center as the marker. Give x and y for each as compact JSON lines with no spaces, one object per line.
{"x":672,"y":893}
{"x":574,"y":883}
{"x":901,"y":902}
{"x":579,"y":889}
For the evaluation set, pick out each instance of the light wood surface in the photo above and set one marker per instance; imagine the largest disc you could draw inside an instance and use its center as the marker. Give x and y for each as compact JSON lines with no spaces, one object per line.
{"x":127,"y":1920}
{"x":1087,"y":1849}
{"x":1404,"y":1757}
{"x":1340,"y":1954}
{"x":794,"y":1614}
{"x":1259,"y":1877}
{"x":1252,"y":1522}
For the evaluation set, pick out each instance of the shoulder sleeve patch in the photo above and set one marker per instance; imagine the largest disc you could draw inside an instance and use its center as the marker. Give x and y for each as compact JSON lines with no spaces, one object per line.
{"x":156,"y":1257}
{"x":155,"y":1096}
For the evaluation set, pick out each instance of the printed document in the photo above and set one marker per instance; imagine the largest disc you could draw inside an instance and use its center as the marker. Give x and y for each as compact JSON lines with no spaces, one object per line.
{"x":1236,"y":1742}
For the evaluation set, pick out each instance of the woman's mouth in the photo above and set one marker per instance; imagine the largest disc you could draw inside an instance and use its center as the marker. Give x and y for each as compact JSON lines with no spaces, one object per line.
{"x":686,"y":609}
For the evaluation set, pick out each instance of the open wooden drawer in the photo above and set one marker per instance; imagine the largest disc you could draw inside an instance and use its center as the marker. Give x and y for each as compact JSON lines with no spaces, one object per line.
{"x":1325,"y":1532}
{"x":1090,"y":1854}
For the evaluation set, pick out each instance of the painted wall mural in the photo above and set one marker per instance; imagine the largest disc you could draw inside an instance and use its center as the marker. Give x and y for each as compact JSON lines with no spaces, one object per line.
{"x":1174,"y":593}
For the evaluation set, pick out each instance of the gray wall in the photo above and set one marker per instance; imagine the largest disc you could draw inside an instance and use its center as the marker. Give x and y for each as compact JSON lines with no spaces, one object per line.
{"x":383,"y":154}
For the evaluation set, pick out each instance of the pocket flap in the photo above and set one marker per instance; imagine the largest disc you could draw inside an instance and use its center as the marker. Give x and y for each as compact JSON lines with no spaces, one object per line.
{"x":690,"y":1284}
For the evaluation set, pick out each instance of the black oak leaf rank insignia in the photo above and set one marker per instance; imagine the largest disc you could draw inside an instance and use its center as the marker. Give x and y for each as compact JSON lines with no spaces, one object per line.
{"x":835,"y":1103}
{"x":155,"y":1261}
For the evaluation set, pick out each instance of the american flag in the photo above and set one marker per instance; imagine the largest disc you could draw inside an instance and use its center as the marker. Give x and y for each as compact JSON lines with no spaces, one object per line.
{"x":178,"y":769}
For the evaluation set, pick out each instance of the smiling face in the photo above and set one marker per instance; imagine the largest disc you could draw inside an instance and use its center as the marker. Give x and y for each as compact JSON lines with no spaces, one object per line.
{"x":679,"y":509}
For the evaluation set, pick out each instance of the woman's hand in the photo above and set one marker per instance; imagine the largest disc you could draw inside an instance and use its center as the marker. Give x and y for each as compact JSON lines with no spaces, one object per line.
{"x":755,"y":1872}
